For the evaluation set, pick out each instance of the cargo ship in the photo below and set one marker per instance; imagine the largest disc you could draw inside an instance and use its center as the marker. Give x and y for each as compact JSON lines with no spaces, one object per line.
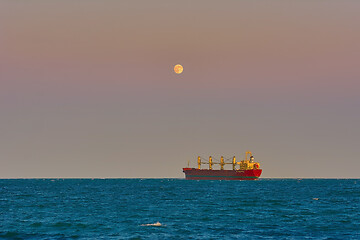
{"x":246,"y":169}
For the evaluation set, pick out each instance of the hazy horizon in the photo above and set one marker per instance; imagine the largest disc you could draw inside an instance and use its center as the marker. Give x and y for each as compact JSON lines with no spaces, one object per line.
{"x":87,"y":88}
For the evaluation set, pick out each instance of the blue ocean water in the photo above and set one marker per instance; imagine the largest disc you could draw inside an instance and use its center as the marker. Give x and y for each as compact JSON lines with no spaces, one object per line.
{"x":121,"y":208}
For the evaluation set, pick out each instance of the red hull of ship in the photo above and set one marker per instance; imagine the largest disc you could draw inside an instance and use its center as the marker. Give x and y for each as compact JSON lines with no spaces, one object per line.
{"x":205,"y":174}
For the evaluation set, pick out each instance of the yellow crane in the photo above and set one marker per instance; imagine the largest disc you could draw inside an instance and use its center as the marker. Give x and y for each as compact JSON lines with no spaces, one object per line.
{"x":246,"y":164}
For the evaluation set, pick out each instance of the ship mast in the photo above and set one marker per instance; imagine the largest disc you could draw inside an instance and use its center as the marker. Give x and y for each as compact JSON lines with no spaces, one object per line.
{"x":234,"y":163}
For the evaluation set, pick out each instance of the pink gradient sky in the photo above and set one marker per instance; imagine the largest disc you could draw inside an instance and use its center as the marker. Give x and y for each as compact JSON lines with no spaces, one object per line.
{"x":87,"y":87}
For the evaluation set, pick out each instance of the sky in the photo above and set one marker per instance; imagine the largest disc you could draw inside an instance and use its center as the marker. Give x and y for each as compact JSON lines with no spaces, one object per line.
{"x":87,"y":88}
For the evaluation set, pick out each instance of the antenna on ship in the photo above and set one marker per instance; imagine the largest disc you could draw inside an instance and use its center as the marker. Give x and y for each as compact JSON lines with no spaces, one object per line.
{"x":246,"y":154}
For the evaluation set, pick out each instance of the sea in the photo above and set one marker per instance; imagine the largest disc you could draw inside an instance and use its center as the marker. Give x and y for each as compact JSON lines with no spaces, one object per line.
{"x":179,"y":209}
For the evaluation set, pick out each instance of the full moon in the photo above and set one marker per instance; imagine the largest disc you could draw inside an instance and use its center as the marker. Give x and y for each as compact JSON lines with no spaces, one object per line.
{"x":178,"y":69}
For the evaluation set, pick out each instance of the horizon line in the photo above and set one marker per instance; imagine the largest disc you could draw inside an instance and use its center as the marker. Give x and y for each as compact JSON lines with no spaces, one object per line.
{"x":100,"y":178}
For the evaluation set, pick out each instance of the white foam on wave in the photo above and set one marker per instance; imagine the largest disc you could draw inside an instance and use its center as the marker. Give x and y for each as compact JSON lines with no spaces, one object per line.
{"x":157,"y":224}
